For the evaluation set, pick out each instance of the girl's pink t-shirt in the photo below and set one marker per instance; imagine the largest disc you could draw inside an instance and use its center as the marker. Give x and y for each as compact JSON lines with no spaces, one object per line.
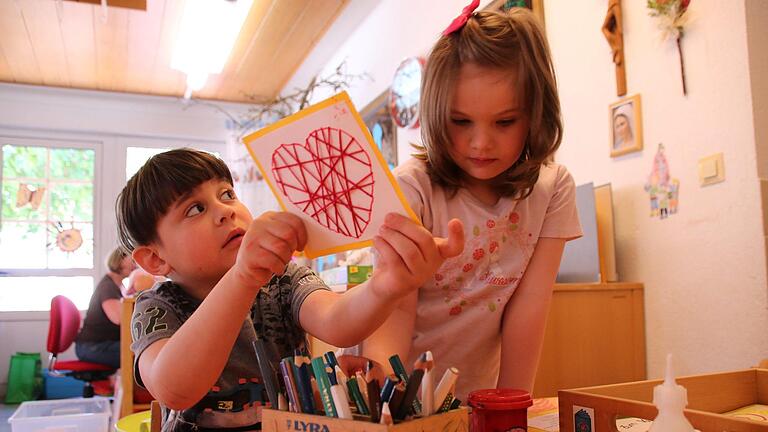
{"x":460,"y":308}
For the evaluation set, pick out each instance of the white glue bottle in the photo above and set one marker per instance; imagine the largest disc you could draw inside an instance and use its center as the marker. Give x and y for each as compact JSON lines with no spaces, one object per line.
{"x":670,"y":398}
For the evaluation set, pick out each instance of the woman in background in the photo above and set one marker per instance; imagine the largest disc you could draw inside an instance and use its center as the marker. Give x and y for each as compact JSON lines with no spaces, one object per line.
{"x":99,"y":339}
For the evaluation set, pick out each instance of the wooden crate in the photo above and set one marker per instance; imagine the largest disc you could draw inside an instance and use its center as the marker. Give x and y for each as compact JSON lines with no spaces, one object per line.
{"x":284,"y":421}
{"x":708,"y":396}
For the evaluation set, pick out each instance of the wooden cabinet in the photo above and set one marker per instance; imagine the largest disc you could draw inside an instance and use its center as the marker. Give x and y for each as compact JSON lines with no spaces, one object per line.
{"x":595,"y":335}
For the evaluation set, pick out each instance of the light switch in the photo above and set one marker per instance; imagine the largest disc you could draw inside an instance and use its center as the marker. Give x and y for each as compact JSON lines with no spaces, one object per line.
{"x":711,"y":169}
{"x":708,"y":168}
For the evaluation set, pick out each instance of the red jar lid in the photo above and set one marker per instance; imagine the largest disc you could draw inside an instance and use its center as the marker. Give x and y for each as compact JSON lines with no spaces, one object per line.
{"x":499,"y":399}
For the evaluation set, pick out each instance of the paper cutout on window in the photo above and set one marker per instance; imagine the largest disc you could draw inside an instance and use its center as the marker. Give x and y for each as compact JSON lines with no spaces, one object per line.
{"x":29,"y":195}
{"x":67,"y":239}
{"x":322,"y":165}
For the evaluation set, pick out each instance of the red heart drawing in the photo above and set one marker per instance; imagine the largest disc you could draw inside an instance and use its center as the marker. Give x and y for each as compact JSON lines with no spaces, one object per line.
{"x":329,"y":178}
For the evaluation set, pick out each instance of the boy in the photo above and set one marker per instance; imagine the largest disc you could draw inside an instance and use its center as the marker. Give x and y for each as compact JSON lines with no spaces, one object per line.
{"x":232,"y":281}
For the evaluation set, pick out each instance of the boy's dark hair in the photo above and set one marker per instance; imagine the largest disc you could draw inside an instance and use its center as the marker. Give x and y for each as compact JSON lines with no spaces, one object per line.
{"x":157,"y":185}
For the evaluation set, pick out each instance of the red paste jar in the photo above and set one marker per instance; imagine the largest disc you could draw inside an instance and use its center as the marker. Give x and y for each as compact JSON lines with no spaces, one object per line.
{"x":499,"y":410}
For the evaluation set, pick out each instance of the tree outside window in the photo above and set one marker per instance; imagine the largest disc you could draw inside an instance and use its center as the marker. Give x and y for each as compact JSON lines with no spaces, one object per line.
{"x":46,"y":226}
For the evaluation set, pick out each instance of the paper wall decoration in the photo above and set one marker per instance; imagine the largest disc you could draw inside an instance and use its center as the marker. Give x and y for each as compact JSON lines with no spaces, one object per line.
{"x":322,"y":165}
{"x":663,"y":190}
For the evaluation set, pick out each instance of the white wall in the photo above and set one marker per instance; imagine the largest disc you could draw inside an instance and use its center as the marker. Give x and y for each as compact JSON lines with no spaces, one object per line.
{"x":114,"y":122}
{"x":704,"y":268}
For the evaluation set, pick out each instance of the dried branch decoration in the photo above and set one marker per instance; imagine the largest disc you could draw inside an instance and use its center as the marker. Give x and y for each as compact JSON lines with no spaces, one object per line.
{"x":264,"y":112}
{"x":673,"y":17}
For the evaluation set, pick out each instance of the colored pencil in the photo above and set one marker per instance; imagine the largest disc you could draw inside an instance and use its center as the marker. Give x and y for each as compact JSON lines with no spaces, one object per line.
{"x":373,"y":396}
{"x":357,"y":396}
{"x":410,"y":394}
{"x":340,"y":401}
{"x":268,"y":375}
{"x":427,"y":362}
{"x":455,"y":404}
{"x":303,"y":382}
{"x":399,"y":369}
{"x":324,"y":386}
{"x":389,"y":385}
{"x":386,"y":416}
{"x":286,"y":370}
{"x":342,"y":379}
{"x":444,"y":388}
{"x":362,"y":384}
{"x":397,"y":397}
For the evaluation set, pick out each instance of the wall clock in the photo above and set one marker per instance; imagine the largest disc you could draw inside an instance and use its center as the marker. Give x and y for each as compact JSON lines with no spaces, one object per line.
{"x":405,"y":92}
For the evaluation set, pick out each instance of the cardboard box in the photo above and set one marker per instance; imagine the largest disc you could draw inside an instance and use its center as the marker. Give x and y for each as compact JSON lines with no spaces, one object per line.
{"x":284,"y":421}
{"x":597,"y":408}
{"x":347,"y":275}
{"x":358,"y":274}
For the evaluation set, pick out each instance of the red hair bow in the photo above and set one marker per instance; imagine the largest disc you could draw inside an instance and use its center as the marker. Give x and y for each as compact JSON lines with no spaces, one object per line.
{"x":462,"y":19}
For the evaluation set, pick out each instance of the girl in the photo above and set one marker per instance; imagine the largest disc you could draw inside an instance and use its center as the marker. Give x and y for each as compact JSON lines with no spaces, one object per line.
{"x":490,"y":120}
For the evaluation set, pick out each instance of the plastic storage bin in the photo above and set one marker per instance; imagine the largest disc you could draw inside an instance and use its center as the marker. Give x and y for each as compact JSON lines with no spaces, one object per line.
{"x":71,"y":415}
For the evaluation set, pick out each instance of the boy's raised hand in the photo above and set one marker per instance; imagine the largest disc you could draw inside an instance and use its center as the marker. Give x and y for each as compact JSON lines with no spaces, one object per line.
{"x":268,"y":246}
{"x":408,"y":255}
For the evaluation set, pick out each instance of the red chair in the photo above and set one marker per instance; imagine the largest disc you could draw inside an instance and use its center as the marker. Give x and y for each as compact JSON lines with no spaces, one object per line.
{"x":62,"y":330}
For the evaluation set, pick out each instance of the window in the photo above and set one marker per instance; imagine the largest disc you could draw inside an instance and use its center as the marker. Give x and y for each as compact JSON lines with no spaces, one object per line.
{"x":136,"y":157}
{"x":57,"y":214}
{"x":47,"y":223}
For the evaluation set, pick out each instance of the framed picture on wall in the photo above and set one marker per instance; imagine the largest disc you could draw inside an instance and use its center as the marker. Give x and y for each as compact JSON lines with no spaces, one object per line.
{"x":537,"y":6}
{"x":377,"y":117}
{"x":626,"y":126}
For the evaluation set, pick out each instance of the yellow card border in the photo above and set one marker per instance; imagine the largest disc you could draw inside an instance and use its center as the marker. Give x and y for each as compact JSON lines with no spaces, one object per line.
{"x":341,"y":97}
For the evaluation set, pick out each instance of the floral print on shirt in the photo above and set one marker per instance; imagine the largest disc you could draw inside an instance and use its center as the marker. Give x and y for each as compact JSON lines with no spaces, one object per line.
{"x":478,"y":269}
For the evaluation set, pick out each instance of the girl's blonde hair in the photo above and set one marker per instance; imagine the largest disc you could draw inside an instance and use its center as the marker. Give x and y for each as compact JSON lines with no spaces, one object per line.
{"x":511,"y":41}
{"x":115,"y":258}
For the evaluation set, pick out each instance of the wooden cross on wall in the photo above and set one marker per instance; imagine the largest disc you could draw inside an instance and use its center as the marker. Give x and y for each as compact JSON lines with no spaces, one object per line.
{"x":612,"y":29}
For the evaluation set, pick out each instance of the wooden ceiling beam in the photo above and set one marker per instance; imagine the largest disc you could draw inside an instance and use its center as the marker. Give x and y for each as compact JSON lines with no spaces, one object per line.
{"x":144,"y":33}
{"x":16,"y":45}
{"x":128,"y":4}
{"x":217,"y":84}
{"x":44,"y":32}
{"x":70,"y":44}
{"x":111,"y":49}
{"x":5,"y":69}
{"x":76,"y":26}
{"x":164,"y":80}
{"x":255,"y":72}
{"x":306,"y":33}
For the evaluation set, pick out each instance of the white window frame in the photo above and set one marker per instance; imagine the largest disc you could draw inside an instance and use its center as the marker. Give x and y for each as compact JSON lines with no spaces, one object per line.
{"x":109,"y":180}
{"x":57,"y":144}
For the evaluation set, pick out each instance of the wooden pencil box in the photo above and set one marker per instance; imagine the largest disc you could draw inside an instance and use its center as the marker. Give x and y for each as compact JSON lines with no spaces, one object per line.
{"x":597,"y":408}
{"x":285,"y":421}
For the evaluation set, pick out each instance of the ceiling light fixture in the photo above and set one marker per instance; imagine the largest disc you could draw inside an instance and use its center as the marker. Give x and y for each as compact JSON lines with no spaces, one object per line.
{"x":208,"y":31}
